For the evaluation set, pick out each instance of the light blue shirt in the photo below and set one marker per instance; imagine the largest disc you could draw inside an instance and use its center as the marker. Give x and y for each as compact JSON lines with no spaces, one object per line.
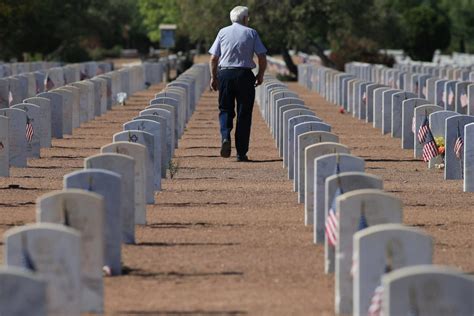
{"x":235,"y":46}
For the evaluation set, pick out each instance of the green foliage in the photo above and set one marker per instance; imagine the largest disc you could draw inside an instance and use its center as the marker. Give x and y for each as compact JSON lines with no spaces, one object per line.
{"x":461,"y":14}
{"x":359,"y":49}
{"x":68,"y":29}
{"x":425,"y":31}
{"x":155,"y":13}
{"x":74,"y":30}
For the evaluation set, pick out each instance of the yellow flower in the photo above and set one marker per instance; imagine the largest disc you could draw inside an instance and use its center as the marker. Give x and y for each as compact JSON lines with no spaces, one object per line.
{"x":439,"y":141}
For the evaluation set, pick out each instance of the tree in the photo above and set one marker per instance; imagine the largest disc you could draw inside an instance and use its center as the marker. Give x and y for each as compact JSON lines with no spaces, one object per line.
{"x":461,"y":15}
{"x":425,"y":31}
{"x":67,"y":30}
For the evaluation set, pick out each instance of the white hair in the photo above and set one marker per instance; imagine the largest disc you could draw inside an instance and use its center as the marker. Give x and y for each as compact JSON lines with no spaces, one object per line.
{"x":238,"y":14}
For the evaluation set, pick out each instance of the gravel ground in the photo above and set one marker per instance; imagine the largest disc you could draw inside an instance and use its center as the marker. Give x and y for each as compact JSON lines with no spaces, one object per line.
{"x":228,"y":238}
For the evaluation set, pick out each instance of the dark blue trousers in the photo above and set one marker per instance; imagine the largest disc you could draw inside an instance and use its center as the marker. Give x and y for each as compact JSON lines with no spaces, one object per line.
{"x":236,"y":86}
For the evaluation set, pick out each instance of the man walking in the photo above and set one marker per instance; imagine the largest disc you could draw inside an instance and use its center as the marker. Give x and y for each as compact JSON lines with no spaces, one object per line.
{"x":231,"y":73}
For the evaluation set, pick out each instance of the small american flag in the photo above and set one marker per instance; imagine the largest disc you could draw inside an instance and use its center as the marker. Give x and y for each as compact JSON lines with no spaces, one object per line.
{"x":10,"y":98}
{"x":459,"y":145}
{"x":430,"y":150}
{"x":364,"y":97}
{"x":362,"y":225}
{"x":29,"y":130}
{"x":375,"y":308}
{"x":423,"y":131}
{"x":332,"y":220}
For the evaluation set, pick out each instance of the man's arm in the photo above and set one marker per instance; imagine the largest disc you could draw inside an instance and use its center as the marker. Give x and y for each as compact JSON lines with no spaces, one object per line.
{"x":262,"y":65}
{"x":213,"y":62}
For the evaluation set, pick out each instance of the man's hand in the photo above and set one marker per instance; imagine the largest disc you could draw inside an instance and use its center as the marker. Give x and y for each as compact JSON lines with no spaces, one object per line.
{"x":258,"y":79}
{"x":262,"y":65}
{"x":214,"y":85}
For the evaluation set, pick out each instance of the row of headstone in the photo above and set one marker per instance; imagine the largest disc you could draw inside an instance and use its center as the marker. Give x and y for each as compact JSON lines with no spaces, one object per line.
{"x":29,"y":124}
{"x":13,"y":69}
{"x":276,"y":65}
{"x":366,"y":246}
{"x":57,"y":264}
{"x":17,"y":87}
{"x":402,"y":114}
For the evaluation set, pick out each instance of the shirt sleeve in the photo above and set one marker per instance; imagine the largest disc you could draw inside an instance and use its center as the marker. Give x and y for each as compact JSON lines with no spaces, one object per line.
{"x":259,"y":48}
{"x":216,"y":47}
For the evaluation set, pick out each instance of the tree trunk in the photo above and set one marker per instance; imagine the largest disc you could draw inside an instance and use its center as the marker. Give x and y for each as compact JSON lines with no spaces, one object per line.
{"x":289,"y":62}
{"x":320,"y":52}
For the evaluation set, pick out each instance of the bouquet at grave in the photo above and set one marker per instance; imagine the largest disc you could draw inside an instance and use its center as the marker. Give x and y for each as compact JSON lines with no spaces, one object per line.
{"x":440,"y":144}
{"x":121,"y":97}
{"x":441,"y":149}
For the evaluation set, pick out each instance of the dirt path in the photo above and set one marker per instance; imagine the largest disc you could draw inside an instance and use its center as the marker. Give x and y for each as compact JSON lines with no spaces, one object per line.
{"x":227,"y":238}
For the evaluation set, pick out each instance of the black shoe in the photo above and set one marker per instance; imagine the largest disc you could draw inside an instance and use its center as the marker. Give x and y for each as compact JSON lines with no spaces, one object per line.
{"x":225,"y":148}
{"x":243,"y":158}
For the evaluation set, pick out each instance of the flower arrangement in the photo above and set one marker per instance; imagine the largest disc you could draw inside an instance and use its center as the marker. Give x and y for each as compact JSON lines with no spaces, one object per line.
{"x":441,"y":150}
{"x":440,"y":144}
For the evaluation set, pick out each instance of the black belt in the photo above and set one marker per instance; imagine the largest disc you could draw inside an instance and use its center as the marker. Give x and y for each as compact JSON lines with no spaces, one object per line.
{"x":235,"y":68}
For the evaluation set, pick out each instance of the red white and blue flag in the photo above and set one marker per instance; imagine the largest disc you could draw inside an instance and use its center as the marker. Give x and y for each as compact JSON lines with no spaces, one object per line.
{"x":362,"y":225}
{"x":423,"y":131}
{"x":430,"y":149}
{"x":375,"y":308}
{"x":332,"y":221}
{"x":459,"y":145}
{"x":29,"y":130}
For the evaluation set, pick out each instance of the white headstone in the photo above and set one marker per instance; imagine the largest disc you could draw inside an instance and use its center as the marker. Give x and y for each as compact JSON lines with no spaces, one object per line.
{"x":16,"y":136}
{"x":148,"y":141}
{"x":4,"y":147}
{"x":22,"y":292}
{"x":408,"y":112}
{"x":377,"y":249}
{"x":288,"y":144}
{"x":427,"y":290}
{"x":107,"y":184}
{"x":454,"y":127}
{"x":468,"y":157}
{"x":156,"y":130}
{"x":143,"y":178}
{"x":68,"y":109}
{"x":32,"y":128}
{"x":56,"y":113}
{"x":44,"y":119}
{"x":54,"y":252}
{"x":306,"y":186}
{"x":298,"y":154}
{"x":125,"y":167}
{"x":170,"y":136}
{"x":346,"y":181}
{"x":84,"y":211}
{"x":324,"y":167}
